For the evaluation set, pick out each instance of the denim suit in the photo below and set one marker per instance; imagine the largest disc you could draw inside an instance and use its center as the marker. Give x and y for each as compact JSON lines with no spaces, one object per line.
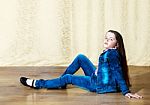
{"x":109,"y":77}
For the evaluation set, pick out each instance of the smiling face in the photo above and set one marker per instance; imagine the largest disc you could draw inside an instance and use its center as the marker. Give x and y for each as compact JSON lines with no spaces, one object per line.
{"x":110,"y":41}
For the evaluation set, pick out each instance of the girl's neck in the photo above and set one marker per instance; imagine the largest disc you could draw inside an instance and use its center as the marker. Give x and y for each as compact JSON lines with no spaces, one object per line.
{"x":107,"y":49}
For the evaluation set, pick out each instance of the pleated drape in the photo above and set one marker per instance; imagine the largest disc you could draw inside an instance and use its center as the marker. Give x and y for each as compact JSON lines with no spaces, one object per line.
{"x":53,"y":32}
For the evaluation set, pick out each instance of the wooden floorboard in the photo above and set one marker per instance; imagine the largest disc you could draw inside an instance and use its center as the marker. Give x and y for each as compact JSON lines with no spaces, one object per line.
{"x":13,"y":93}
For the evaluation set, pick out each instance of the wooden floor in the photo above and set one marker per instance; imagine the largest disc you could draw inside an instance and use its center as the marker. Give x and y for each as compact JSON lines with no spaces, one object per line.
{"x":13,"y":93}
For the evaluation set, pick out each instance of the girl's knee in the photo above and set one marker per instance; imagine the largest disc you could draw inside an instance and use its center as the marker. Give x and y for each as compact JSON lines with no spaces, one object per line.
{"x":67,"y":75}
{"x":67,"y":78}
{"x":81,"y":56}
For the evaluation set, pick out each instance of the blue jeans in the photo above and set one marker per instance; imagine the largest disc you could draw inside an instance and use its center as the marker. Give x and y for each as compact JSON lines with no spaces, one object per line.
{"x":68,"y":78}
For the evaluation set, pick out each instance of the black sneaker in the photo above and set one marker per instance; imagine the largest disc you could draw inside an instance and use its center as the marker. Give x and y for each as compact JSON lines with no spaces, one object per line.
{"x":23,"y":80}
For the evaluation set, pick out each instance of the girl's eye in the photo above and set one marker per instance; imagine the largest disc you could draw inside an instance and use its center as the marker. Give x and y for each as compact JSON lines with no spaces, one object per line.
{"x":109,"y":39}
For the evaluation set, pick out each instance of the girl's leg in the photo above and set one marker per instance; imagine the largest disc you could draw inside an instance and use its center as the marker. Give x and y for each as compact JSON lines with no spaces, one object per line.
{"x":83,"y":62}
{"x":81,"y":81}
{"x":80,"y":61}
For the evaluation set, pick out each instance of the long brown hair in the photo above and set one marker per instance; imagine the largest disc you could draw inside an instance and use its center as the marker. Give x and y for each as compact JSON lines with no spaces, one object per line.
{"x":121,"y":50}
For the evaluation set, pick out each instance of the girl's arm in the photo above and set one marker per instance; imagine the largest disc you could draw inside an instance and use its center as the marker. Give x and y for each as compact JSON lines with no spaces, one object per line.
{"x":117,"y":70}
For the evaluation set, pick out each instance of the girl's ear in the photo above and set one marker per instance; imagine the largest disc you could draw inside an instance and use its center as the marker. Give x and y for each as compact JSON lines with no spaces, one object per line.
{"x":117,"y":45}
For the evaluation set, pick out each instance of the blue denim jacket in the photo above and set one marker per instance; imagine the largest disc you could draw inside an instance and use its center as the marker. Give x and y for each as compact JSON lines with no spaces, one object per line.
{"x":110,"y":76}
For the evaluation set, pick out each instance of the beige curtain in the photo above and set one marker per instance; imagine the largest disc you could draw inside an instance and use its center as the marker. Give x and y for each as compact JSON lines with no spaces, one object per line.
{"x":53,"y":32}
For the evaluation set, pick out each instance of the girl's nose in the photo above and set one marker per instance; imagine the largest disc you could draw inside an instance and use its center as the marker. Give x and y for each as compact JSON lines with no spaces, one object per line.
{"x":106,"y":40}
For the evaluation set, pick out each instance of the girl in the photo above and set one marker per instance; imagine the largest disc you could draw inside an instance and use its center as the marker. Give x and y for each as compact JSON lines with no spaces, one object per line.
{"x":110,"y":76}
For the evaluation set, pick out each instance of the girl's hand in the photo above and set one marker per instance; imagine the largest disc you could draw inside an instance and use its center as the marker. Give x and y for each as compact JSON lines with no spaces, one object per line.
{"x":131,"y":95}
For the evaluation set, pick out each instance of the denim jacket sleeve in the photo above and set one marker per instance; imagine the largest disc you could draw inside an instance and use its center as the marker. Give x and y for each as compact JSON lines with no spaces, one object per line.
{"x":115,"y":66}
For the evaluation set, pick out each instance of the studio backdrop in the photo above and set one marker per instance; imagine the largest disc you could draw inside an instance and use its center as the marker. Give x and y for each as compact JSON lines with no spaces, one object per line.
{"x":53,"y":32}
